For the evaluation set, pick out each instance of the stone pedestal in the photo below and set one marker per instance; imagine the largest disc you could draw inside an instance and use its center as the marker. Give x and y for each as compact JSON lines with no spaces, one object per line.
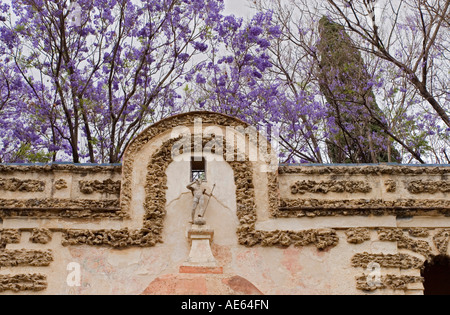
{"x":201,"y":259}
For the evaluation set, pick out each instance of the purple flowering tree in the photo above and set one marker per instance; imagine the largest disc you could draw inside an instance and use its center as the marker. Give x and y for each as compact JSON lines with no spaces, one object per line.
{"x":93,"y":73}
{"x":231,"y":79}
{"x":239,"y":79}
{"x":404,"y":49}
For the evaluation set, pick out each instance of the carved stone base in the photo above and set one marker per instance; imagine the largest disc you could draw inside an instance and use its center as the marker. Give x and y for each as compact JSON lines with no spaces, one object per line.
{"x":199,"y":221}
{"x":201,"y":259}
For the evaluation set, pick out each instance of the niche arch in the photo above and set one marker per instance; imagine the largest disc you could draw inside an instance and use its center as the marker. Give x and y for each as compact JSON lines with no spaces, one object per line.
{"x":150,"y":153}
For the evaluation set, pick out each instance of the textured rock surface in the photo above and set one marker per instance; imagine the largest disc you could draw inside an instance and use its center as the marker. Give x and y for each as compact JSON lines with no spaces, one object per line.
{"x":357,"y":235}
{"x":9,"y":236}
{"x":60,"y":184}
{"x":428,"y":186}
{"x":41,"y":236}
{"x":112,"y":238}
{"x":107,"y":186}
{"x":25,"y":257}
{"x":23,"y":282}
{"x":324,"y":187}
{"x":15,"y":184}
{"x":389,"y":281}
{"x":402,"y":261}
{"x":441,"y":241}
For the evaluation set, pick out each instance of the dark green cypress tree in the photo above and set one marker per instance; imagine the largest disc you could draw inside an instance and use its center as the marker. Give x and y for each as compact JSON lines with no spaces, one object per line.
{"x":345,"y":83}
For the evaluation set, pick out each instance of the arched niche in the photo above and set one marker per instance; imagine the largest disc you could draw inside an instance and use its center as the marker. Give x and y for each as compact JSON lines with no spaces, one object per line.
{"x":148,"y":170}
{"x":220,"y":214}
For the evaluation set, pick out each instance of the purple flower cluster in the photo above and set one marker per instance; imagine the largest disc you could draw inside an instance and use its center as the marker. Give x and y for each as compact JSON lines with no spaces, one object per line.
{"x":82,"y":91}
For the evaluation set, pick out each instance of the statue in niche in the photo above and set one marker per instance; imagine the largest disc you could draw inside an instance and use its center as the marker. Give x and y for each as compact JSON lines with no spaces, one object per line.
{"x":198,"y":189}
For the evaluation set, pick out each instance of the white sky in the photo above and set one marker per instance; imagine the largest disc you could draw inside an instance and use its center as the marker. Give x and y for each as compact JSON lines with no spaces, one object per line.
{"x":239,"y":8}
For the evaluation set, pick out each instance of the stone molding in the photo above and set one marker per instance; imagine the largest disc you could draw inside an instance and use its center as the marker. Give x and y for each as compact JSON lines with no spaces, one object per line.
{"x":9,"y":236}
{"x":364,"y":170}
{"x":324,"y":187}
{"x":391,"y":186}
{"x":441,"y":241}
{"x":111,"y":238}
{"x":291,"y":208}
{"x":108,"y":186}
{"x":357,"y":235}
{"x":40,"y":236}
{"x":60,"y":184}
{"x":428,"y":186}
{"x":60,"y":208}
{"x":63,"y":167}
{"x":19,"y":185}
{"x":23,"y":282}
{"x":25,"y":257}
{"x":401,"y":260}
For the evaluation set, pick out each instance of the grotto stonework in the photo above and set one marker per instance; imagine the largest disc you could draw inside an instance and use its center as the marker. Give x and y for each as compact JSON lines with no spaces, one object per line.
{"x":292,"y":229}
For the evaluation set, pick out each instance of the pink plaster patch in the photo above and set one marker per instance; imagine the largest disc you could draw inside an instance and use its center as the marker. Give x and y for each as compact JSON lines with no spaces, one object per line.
{"x":241,"y":286}
{"x":201,"y":284}
{"x":291,"y":260}
{"x":175,"y":285}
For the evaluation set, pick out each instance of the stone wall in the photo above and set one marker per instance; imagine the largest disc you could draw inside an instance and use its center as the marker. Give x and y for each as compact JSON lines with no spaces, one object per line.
{"x":299,"y":230}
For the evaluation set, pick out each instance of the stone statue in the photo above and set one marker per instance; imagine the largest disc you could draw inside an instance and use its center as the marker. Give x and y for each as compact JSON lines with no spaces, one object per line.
{"x":198,"y":189}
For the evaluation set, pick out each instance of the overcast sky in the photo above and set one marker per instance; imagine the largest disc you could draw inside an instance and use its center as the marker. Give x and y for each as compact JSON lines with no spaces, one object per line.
{"x":237,"y":7}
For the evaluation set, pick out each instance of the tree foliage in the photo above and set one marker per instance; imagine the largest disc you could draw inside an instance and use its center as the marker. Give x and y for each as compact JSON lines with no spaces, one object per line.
{"x":347,"y":86}
{"x":91,"y":82}
{"x":336,"y":81}
{"x":400,"y":54}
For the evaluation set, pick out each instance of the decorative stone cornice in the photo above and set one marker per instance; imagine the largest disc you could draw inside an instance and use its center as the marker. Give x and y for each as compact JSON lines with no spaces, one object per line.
{"x":290,"y":208}
{"x":404,"y":242}
{"x":112,"y":238}
{"x":60,"y":208}
{"x":324,"y":187}
{"x":50,"y":168}
{"x":364,"y":169}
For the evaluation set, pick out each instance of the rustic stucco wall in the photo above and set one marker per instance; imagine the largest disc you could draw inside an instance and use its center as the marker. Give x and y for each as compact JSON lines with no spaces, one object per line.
{"x":298,"y":230}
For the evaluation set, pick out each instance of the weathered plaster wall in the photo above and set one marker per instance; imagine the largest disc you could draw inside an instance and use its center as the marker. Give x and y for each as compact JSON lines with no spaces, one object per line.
{"x":299,"y":230}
